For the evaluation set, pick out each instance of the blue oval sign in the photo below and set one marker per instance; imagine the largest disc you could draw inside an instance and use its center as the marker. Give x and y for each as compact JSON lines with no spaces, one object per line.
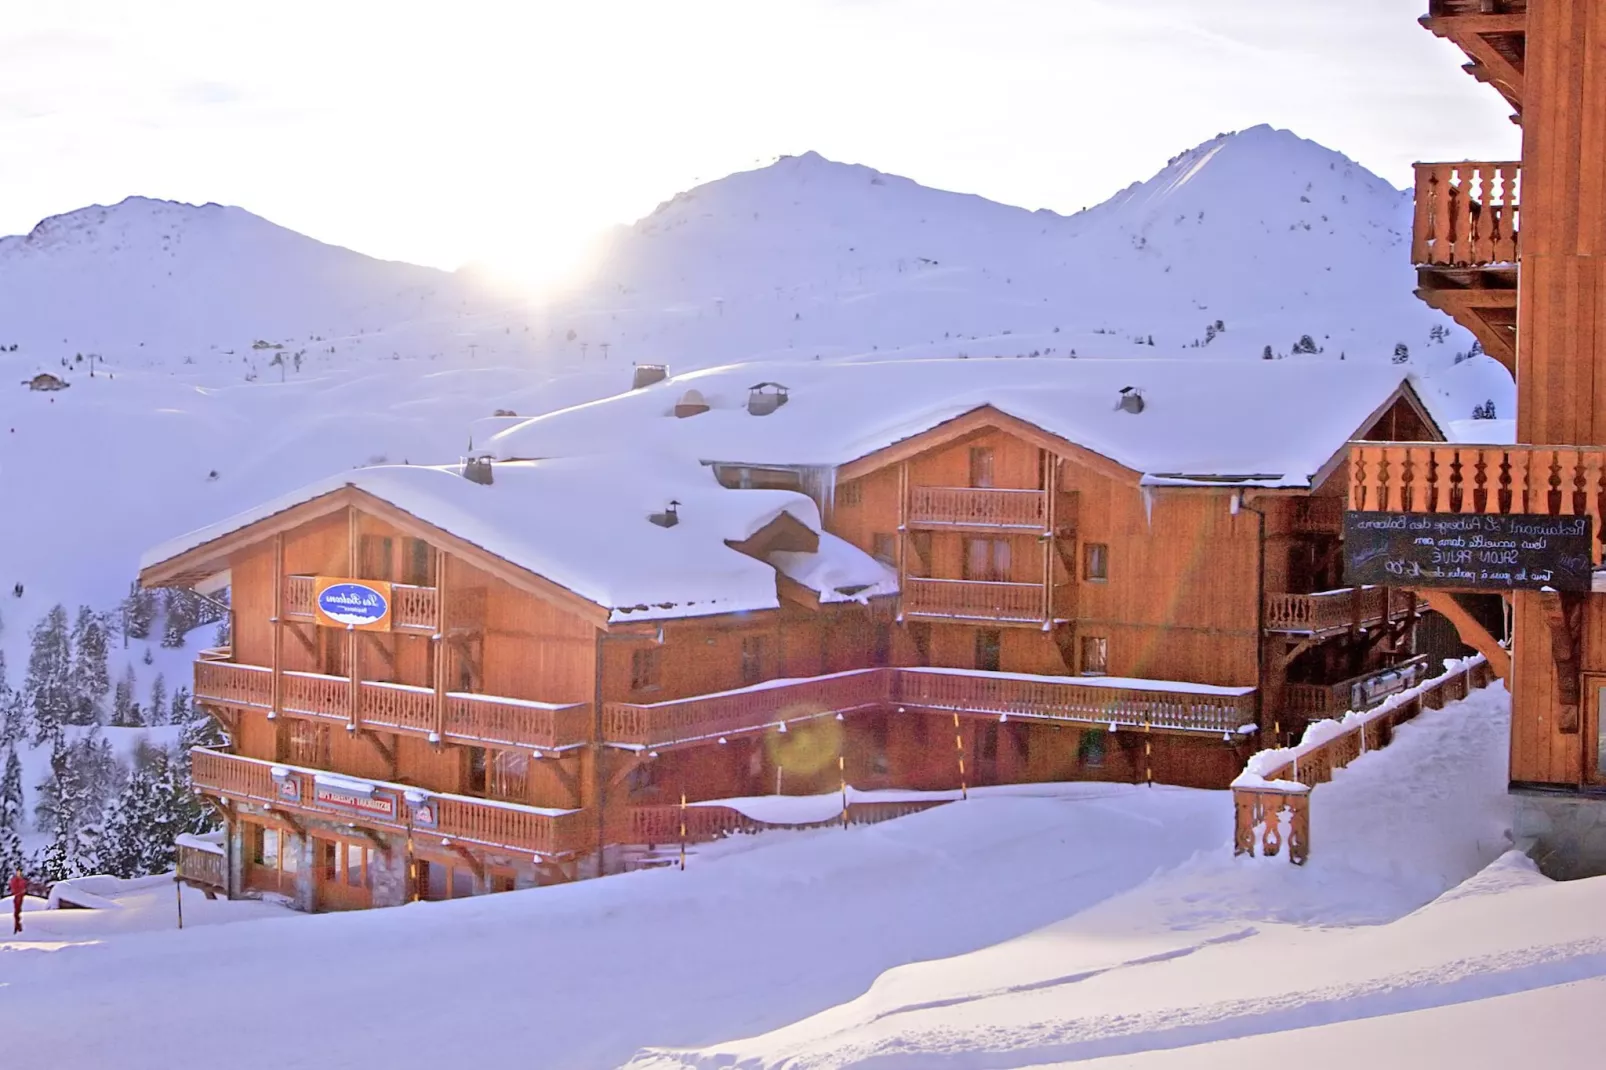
{"x":353,"y":604}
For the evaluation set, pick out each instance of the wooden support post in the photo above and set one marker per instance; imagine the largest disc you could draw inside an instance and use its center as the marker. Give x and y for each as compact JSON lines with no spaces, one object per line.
{"x":441,"y":649}
{"x":959,"y":747}
{"x":903,"y":534}
{"x":683,"y":831}
{"x":277,"y":685}
{"x":1564,"y":614}
{"x":354,"y":677}
{"x":1049,"y":471}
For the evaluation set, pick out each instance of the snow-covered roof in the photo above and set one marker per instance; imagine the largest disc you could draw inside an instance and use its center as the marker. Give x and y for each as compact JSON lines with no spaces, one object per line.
{"x":583,"y":524}
{"x":1278,"y":422}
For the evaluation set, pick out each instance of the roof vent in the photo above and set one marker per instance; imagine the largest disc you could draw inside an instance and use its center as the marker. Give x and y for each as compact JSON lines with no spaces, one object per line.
{"x":668,"y":518}
{"x":691,"y":403}
{"x":647,"y":374}
{"x":1131,"y":400}
{"x":765,"y":398}
{"x":477,"y":470}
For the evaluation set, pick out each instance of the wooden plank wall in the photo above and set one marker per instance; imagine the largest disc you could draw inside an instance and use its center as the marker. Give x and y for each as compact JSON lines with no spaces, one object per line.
{"x":1561,"y":332}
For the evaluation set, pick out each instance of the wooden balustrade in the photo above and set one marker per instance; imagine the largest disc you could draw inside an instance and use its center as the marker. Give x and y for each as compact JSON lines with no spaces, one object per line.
{"x":204,"y":867}
{"x":233,"y":685}
{"x":1283,"y":786}
{"x":216,"y":653}
{"x":661,"y":825}
{"x":1319,"y":700}
{"x":776,"y":702}
{"x":313,"y":694}
{"x":487,"y":719}
{"x":1333,"y":611}
{"x":1467,"y":214}
{"x":481,"y":822}
{"x":397,"y":707}
{"x":1021,"y":603}
{"x":412,"y":609}
{"x":978,"y":507}
{"x":298,"y":596}
{"x":1081,"y":700}
{"x":1439,"y":477}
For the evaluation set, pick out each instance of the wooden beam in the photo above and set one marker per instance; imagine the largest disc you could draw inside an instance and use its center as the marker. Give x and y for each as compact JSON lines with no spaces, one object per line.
{"x":276,"y":688}
{"x":1297,"y":649}
{"x":438,"y":645}
{"x":1564,"y":614}
{"x":378,"y":641}
{"x":307,"y":644}
{"x":1469,"y":629}
{"x":387,"y":753}
{"x":468,"y":859}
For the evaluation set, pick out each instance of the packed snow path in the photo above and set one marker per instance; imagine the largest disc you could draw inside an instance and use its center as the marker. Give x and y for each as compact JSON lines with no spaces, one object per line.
{"x":763,"y":931}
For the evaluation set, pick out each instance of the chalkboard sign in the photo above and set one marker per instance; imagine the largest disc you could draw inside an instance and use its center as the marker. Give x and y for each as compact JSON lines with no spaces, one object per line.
{"x":1469,"y":552}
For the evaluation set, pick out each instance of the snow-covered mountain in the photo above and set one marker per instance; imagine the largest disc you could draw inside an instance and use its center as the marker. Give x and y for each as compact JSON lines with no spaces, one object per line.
{"x":198,"y":412}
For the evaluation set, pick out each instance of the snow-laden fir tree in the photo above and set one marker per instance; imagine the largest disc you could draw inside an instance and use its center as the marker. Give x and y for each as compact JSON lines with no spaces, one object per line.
{"x":156,"y":712}
{"x":154,"y":808}
{"x":47,"y":690}
{"x":90,"y":679}
{"x":181,"y":612}
{"x":139,"y":612}
{"x":124,"y":710}
{"x":65,"y":810}
{"x":10,"y":709}
{"x":12,"y":817}
{"x":182,"y":709}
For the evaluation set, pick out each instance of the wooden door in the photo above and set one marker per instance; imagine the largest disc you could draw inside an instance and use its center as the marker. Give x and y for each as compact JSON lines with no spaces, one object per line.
{"x":343,"y":870}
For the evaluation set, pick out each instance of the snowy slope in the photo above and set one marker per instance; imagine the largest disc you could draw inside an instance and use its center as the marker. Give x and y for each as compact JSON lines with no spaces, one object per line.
{"x":1024,"y":926}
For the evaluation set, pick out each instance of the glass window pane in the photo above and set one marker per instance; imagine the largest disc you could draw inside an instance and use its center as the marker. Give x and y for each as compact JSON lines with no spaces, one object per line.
{"x":268,"y":853}
{"x":462,"y":882}
{"x":434,"y":882}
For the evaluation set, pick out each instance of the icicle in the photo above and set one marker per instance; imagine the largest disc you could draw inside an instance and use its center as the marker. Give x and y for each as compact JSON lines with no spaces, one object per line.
{"x":1148,"y":505}
{"x":782,"y":728}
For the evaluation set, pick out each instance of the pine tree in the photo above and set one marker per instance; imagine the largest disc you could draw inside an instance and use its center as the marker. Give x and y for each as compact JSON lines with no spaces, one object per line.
{"x":155,"y":808}
{"x":157,"y":713}
{"x":1306,"y":344}
{"x":180,"y":614}
{"x":12,"y":816}
{"x":138,"y":611}
{"x":10,"y":709}
{"x":89,"y":678}
{"x":124,"y":709}
{"x":1402,"y":353}
{"x":47,"y":692}
{"x":1265,"y":354}
{"x":182,"y":710}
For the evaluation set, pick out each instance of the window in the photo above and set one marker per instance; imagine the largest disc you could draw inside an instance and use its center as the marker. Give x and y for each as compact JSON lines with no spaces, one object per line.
{"x":420,"y":569}
{"x":373,"y":557}
{"x":981,"y":466}
{"x":987,"y":559}
{"x":644,"y":669}
{"x":509,"y":776}
{"x":272,"y":855}
{"x":500,"y":881}
{"x":989,"y":645}
{"x":881,"y":648}
{"x":309,"y":744}
{"x":850,"y":494}
{"x":445,"y":880}
{"x":920,"y":543}
{"x":884,"y":548}
{"x":477,"y":775}
{"x":1090,"y":749}
{"x":753,"y":659}
{"x":1095,"y":655}
{"x":1095,"y":561}
{"x":359,"y":871}
{"x":987,"y":742}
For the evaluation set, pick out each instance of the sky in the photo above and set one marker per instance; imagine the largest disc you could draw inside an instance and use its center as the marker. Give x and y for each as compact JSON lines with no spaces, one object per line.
{"x":510,"y":134}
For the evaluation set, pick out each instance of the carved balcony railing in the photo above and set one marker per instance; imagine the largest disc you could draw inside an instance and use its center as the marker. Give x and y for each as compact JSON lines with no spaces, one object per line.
{"x":1438,"y":477}
{"x":1467,"y":215}
{"x":481,"y":720}
{"x":1324,"y":700}
{"x":1070,"y":699}
{"x":1005,"y":603}
{"x":1330,"y":612}
{"x":394,"y":807}
{"x":978,"y":507}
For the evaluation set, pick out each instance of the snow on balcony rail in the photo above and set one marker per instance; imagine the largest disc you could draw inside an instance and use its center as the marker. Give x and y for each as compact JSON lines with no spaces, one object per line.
{"x":1280,"y":779}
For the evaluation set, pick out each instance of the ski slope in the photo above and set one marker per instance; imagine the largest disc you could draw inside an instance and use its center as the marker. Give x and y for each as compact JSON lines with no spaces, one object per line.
{"x":1022,"y":927}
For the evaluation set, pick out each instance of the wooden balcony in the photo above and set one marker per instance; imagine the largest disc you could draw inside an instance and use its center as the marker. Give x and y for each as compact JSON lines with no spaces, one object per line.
{"x":977,"y":507}
{"x":413,"y":609}
{"x":1465,"y":243}
{"x":1077,"y":699}
{"x":1458,"y":478}
{"x":479,"y":720}
{"x":202,"y":864}
{"x":974,"y":600}
{"x":1070,"y":699}
{"x":1312,"y":701}
{"x":1332,"y":612}
{"x":767,"y":705}
{"x":394,"y":807}
{"x":1493,"y":34}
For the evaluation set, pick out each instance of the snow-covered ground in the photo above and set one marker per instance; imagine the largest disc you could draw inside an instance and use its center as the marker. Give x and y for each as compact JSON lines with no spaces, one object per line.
{"x":1023,"y":927}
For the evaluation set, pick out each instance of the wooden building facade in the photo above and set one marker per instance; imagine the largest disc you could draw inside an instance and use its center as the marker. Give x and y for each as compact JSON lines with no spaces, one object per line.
{"x":1516,"y":252}
{"x":1006,"y":606}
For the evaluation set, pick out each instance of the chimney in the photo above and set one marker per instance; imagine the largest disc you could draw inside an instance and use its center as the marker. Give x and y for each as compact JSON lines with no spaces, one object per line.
{"x":691,"y":403}
{"x":765,"y":398}
{"x":668,"y":518}
{"x":647,"y":374}
{"x":477,"y":470}
{"x":1131,"y":400}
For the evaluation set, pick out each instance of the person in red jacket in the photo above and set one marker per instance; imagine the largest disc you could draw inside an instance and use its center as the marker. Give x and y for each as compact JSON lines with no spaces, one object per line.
{"x":18,"y":889}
